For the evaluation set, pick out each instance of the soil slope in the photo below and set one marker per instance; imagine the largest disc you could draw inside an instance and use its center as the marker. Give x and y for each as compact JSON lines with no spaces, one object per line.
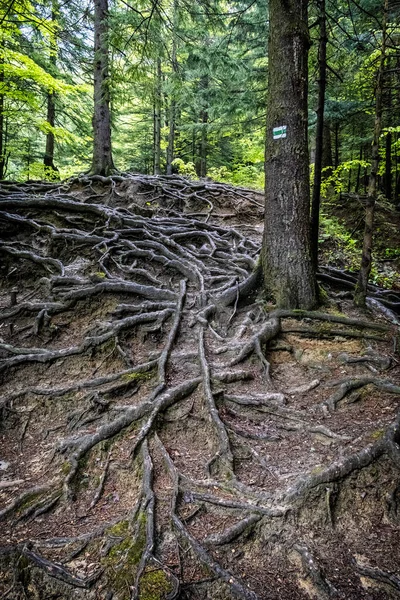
{"x":166,"y":433}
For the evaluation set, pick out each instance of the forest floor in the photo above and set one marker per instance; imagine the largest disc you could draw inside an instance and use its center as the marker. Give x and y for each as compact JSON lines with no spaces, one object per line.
{"x":166,"y":433}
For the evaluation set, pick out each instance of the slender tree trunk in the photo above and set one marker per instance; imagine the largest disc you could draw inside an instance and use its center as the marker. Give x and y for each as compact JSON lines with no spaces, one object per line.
{"x":316,"y":197}
{"x":336,"y":145}
{"x":201,"y":166}
{"x":357,"y":187}
{"x":286,"y":257}
{"x":388,"y":166}
{"x":102,"y":163}
{"x":171,"y":137}
{"x":350,"y":170}
{"x":157,"y":119}
{"x":48,"y":160}
{"x":2,"y":120}
{"x":203,"y":144}
{"x":172,"y":106}
{"x":327,"y":162}
{"x":360,"y":293}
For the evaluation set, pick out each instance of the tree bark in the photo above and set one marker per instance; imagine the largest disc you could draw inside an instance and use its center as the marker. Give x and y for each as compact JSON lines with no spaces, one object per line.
{"x":201,"y":163}
{"x":2,"y":149}
{"x":288,"y":272}
{"x":360,"y":293}
{"x":316,"y":197}
{"x":48,"y":159}
{"x":157,"y":119}
{"x":337,"y":144}
{"x":102,"y":163}
{"x":172,"y":106}
{"x":327,"y":161}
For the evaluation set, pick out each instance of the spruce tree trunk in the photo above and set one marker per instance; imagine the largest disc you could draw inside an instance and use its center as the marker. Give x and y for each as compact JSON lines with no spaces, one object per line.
{"x":201,"y":163}
{"x":337,"y":144}
{"x":287,"y":266}
{"x":172,"y":106}
{"x":327,"y":161}
{"x":102,"y":163}
{"x":157,"y":120}
{"x":2,"y":136}
{"x":316,"y":197}
{"x":360,"y":293}
{"x":388,"y":166}
{"x":48,"y":160}
{"x":203,"y":144}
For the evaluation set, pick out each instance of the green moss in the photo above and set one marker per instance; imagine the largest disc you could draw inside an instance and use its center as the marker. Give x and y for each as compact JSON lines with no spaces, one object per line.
{"x":29,"y":500}
{"x":146,"y":376}
{"x":379,"y":433}
{"x":317,"y":470}
{"x":120,"y":528}
{"x":155,"y":585}
{"x":323,"y":296}
{"x":123,"y":559}
{"x":100,"y":274}
{"x":66,"y":468}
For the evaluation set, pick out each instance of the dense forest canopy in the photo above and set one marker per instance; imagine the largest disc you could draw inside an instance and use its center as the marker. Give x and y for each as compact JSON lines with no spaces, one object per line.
{"x":187,"y":83}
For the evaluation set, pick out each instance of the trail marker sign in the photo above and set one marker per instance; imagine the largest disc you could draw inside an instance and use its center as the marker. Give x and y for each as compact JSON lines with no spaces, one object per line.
{"x":279,"y":132}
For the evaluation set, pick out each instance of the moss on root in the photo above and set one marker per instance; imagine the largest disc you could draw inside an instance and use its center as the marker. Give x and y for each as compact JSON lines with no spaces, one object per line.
{"x":123,"y":559}
{"x":155,"y":585}
{"x":145,"y":376}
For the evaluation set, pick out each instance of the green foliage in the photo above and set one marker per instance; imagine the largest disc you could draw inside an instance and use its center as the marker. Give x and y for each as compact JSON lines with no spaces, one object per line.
{"x":243,"y":175}
{"x":339,"y":248}
{"x":185,"y":169}
{"x":338,"y":179}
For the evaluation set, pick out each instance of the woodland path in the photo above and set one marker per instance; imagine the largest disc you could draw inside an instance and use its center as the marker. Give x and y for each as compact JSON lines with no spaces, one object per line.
{"x":165,"y":432}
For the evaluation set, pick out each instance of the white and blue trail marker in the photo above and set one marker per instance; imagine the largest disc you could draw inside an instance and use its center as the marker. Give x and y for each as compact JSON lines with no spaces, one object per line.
{"x":279,"y":132}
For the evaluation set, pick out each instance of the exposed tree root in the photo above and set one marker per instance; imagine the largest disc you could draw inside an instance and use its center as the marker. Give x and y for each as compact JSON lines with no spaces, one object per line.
{"x":139,"y":460}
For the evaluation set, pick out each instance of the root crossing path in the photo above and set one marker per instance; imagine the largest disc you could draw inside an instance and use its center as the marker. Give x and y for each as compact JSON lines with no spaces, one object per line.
{"x":165,"y":432}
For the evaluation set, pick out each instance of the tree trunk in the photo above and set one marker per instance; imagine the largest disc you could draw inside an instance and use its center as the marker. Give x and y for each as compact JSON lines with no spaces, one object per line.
{"x":48,"y":160}
{"x":201,"y":160}
{"x":172,"y":106}
{"x":360,"y":293}
{"x":316,"y":197}
{"x":336,"y":145}
{"x":288,"y":272}
{"x":203,"y":144}
{"x":102,"y":163}
{"x":2,"y":137}
{"x":357,"y":187}
{"x":157,"y":120}
{"x":327,"y":161}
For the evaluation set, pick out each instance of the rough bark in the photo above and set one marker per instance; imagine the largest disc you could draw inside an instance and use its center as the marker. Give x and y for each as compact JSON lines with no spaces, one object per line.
{"x":201,"y":166}
{"x":288,"y":271}
{"x":2,"y":149}
{"x":316,"y":200}
{"x":48,"y":160}
{"x":102,"y":163}
{"x":157,"y":120}
{"x":360,"y":293}
{"x":172,"y":106}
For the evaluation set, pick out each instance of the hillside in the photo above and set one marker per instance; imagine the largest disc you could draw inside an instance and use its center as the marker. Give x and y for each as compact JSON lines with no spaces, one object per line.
{"x":166,"y":432}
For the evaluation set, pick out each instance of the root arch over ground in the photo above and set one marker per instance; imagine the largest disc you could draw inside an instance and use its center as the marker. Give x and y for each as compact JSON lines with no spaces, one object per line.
{"x":165,"y":432}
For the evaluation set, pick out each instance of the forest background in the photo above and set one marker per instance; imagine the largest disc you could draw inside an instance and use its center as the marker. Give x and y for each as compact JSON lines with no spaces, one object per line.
{"x":197,"y":72}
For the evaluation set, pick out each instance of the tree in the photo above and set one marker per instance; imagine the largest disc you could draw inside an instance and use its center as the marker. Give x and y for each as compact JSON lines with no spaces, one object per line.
{"x":366,"y":259}
{"x":319,"y":147}
{"x":102,"y":163}
{"x":51,"y":105}
{"x":288,"y":272}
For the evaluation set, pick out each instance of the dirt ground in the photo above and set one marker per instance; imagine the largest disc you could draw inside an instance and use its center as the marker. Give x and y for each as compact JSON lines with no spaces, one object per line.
{"x":166,"y":433}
